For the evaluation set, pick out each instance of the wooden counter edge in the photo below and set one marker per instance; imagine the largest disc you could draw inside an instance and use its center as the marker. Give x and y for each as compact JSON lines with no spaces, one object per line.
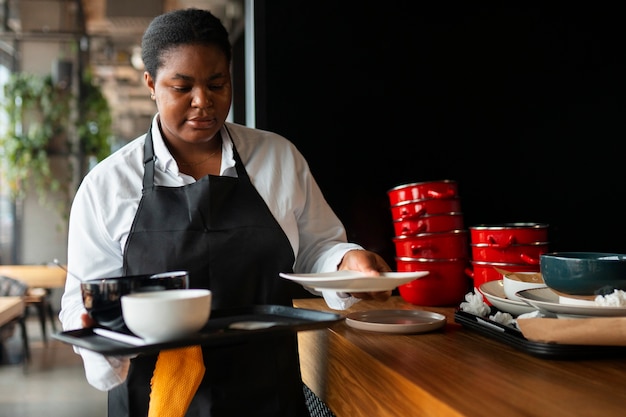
{"x":354,"y":384}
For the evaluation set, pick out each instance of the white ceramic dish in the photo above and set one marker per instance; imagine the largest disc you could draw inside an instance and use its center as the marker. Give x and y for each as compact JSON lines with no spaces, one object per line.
{"x":396,"y":321}
{"x":547,"y":300}
{"x":159,"y":316}
{"x":494,"y":293}
{"x":354,"y":281}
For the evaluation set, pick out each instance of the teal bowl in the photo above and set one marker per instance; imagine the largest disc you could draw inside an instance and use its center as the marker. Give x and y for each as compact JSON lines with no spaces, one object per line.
{"x":584,"y":273}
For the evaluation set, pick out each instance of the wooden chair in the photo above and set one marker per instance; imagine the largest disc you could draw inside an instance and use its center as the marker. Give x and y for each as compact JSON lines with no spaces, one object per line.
{"x":39,"y":298}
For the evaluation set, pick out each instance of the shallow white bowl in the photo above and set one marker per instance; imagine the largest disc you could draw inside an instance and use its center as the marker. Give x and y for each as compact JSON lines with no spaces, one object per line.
{"x":520,"y":281}
{"x":159,"y":316}
{"x":494,"y":293}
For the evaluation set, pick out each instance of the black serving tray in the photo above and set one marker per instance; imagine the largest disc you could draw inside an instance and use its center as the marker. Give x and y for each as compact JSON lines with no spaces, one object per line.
{"x":217,"y":331}
{"x":513,"y":337}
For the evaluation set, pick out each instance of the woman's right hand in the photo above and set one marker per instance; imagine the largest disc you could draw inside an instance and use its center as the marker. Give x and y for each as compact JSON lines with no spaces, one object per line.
{"x":87,"y":320}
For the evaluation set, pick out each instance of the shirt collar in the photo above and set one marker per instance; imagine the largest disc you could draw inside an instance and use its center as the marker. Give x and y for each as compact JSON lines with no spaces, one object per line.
{"x":165,"y":161}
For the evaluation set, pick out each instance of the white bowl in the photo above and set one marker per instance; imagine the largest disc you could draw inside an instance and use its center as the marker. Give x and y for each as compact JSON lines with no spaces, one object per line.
{"x":520,"y":281}
{"x":159,"y":316}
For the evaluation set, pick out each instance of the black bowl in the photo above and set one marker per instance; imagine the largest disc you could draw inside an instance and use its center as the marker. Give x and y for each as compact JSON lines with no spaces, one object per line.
{"x":584,"y":273}
{"x":102,"y":296}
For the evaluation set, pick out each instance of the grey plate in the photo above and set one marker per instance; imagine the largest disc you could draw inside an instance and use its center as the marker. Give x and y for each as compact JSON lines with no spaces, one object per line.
{"x":396,"y":321}
{"x":547,"y":300}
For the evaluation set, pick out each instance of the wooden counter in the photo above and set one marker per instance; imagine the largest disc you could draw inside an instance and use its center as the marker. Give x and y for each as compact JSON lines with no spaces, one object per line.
{"x":449,"y":372}
{"x":36,"y":276}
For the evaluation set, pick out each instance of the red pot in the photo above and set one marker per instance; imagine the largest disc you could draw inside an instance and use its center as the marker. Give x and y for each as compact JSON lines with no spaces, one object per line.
{"x":507,"y":234}
{"x":445,"y":285}
{"x":452,"y":244}
{"x":516,"y":254}
{"x":482,"y":272}
{"x":422,"y":190}
{"x":418,"y":208}
{"x":428,"y":223}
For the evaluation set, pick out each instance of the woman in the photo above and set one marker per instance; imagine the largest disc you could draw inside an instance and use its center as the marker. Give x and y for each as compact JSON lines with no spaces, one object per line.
{"x":234,"y":206}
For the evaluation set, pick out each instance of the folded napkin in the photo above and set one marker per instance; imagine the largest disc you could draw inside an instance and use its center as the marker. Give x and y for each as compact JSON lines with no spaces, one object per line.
{"x":607,"y":331}
{"x":175,"y":380}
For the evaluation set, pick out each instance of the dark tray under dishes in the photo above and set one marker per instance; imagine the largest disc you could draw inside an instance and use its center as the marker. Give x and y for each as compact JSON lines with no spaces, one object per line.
{"x":217,"y":331}
{"x":516,"y":339}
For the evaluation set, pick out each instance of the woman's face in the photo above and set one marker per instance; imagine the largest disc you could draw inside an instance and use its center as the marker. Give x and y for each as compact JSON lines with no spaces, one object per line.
{"x":193,"y":93}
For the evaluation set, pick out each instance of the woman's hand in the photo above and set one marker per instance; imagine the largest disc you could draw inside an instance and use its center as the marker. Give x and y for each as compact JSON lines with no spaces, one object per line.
{"x":371,"y":264}
{"x":87,"y":321}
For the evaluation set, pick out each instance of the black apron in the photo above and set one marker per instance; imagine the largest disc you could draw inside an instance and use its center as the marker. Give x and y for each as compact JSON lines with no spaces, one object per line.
{"x":222,"y":232}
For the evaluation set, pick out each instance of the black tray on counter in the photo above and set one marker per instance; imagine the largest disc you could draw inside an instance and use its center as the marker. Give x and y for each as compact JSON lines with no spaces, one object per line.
{"x":217,"y":332}
{"x":513,"y":337}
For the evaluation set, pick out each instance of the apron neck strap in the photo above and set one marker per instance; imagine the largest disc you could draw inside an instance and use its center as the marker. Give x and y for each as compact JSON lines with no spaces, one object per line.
{"x":148,"y":162}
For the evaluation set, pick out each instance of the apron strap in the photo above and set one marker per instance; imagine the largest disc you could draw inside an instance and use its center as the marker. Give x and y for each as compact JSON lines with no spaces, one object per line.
{"x":148,"y":163}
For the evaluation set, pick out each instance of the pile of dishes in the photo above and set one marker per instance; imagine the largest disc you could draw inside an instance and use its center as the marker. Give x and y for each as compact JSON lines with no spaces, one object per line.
{"x":430,"y":236}
{"x":575,"y":284}
{"x":514,"y":247}
{"x":503,"y":293}
{"x":580,"y":284}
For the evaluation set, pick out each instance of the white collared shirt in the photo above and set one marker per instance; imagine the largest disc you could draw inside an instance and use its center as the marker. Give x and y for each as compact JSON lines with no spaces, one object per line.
{"x":106,"y":202}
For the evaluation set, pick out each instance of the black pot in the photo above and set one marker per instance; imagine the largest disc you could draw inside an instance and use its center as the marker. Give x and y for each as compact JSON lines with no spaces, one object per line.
{"x":102,"y":296}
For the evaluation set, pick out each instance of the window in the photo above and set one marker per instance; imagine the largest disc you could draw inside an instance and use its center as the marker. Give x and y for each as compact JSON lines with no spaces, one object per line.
{"x":7,"y":208}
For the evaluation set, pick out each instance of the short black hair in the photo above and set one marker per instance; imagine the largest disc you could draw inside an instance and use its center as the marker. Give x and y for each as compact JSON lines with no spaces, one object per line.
{"x":182,"y":27}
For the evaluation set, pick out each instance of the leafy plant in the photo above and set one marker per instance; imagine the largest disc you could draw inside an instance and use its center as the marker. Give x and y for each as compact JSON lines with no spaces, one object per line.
{"x":94,"y":124}
{"x":41,"y":124}
{"x":37,"y":113}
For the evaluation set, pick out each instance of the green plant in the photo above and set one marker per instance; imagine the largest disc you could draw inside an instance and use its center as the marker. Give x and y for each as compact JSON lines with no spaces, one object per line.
{"x":37,"y":113}
{"x":42,"y":123}
{"x":94,"y":122}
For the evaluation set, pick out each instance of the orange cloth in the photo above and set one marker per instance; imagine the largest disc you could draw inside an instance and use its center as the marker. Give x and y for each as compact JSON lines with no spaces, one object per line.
{"x":175,"y":380}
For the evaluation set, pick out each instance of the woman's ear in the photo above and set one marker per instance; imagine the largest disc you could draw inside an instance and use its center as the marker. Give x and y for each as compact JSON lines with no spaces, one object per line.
{"x":149,"y":81}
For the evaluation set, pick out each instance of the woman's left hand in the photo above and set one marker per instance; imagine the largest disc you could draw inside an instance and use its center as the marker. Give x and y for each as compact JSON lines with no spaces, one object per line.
{"x":370,"y":263}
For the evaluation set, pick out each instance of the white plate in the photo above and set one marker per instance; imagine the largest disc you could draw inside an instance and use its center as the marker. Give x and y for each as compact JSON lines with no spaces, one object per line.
{"x":494,"y":293}
{"x":547,"y":300}
{"x":354,"y":281}
{"x":396,"y":321}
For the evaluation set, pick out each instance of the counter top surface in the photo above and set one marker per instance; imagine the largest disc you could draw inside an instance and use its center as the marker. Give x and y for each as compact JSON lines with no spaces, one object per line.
{"x":451,"y":371}
{"x":10,"y":308}
{"x":36,"y":276}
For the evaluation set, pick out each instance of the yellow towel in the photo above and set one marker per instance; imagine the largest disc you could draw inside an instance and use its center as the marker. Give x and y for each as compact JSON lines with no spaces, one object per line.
{"x":176,"y":377}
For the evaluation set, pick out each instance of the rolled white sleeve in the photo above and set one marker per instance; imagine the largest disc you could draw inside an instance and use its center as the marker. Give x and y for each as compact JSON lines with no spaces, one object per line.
{"x":104,"y":372}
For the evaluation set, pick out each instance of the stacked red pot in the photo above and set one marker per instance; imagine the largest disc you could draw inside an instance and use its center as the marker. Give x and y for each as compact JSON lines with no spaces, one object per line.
{"x":430,"y":236}
{"x":513,"y":247}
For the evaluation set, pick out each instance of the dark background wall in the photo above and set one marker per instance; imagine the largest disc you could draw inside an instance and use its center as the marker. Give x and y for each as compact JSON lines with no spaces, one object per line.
{"x":523,"y":105}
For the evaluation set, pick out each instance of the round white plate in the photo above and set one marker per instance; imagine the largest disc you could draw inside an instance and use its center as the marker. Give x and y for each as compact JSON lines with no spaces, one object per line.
{"x":494,"y":293}
{"x":396,"y":321}
{"x":354,"y":281}
{"x":547,"y":300}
